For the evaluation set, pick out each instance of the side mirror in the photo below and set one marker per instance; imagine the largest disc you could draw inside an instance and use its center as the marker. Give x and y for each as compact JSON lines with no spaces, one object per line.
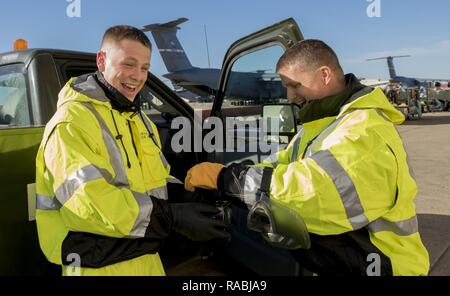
{"x":279,"y":225}
{"x":285,"y":115}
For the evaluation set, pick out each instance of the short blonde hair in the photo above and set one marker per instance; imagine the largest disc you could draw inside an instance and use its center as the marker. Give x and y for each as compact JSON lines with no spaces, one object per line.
{"x":120,"y":32}
{"x":310,"y":54}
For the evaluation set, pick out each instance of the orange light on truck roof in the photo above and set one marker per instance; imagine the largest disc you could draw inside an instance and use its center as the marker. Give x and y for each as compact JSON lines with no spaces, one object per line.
{"x":20,"y":44}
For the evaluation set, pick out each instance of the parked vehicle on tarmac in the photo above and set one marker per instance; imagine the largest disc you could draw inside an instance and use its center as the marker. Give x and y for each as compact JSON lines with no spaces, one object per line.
{"x":440,"y":98}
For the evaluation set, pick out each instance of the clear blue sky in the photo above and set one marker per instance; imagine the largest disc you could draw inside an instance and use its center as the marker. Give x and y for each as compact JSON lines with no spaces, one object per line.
{"x":417,"y":27}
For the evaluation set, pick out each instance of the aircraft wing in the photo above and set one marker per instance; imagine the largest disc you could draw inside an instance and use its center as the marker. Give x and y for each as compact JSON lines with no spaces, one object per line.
{"x":374,"y":82}
{"x":167,"y":25}
{"x":432,"y":79}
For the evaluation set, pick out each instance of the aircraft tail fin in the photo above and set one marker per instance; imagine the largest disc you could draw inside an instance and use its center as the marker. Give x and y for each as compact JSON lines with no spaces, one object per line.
{"x":169,"y":46}
{"x":391,"y":67}
{"x":390,"y":63}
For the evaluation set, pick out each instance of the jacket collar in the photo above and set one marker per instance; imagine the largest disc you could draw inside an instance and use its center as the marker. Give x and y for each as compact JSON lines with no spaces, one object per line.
{"x":331,"y":105}
{"x":118,"y":101}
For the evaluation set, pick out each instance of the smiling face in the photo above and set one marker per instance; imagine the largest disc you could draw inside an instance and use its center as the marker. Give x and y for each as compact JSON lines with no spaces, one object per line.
{"x":304,"y":86}
{"x":124,"y":65}
{"x":310,"y":70}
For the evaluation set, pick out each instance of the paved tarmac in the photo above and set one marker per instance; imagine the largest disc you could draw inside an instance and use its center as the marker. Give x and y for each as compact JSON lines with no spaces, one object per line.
{"x":427,"y":143}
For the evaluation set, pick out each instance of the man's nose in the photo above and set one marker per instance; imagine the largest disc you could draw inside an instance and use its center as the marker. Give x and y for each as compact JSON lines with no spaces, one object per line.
{"x":137,"y":75}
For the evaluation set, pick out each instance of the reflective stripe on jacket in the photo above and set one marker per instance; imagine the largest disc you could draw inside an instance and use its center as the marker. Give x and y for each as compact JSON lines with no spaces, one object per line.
{"x":101,"y":185}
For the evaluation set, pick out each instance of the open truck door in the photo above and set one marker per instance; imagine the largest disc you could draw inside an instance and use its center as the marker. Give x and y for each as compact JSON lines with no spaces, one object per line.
{"x":248,"y":82}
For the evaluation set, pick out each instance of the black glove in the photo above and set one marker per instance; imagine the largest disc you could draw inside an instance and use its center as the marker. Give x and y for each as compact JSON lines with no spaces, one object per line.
{"x":194,"y":220}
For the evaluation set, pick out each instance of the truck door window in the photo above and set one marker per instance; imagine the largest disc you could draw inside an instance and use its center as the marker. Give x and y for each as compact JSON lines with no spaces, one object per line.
{"x":14,"y":110}
{"x":252,"y":82}
{"x":156,"y":108}
{"x":71,"y":71}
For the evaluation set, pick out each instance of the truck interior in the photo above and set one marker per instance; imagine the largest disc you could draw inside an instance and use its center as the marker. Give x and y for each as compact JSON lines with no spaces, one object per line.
{"x":13,"y":97}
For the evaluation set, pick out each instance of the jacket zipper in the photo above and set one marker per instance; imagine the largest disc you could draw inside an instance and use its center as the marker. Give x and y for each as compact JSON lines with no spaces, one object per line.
{"x":119,"y":137}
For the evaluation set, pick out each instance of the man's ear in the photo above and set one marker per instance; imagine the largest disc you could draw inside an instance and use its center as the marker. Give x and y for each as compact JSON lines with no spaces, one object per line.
{"x":101,"y":60}
{"x":326,"y":73}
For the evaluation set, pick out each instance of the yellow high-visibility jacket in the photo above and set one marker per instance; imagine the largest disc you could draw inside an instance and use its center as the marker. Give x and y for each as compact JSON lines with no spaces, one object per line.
{"x":101,"y":186}
{"x":344,"y":173}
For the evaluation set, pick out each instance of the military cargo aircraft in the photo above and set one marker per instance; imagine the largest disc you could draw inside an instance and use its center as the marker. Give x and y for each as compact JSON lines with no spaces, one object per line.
{"x":204,"y":81}
{"x":406,"y":81}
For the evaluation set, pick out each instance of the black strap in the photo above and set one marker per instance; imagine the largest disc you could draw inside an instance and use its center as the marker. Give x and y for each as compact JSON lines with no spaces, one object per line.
{"x":266,"y":179}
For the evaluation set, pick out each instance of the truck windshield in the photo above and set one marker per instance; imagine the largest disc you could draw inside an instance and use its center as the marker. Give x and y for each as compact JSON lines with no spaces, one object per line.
{"x":13,"y":97}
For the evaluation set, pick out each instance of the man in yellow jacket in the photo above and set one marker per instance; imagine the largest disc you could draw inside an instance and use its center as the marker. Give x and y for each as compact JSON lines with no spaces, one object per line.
{"x":345,"y":172}
{"x":102,"y":201}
